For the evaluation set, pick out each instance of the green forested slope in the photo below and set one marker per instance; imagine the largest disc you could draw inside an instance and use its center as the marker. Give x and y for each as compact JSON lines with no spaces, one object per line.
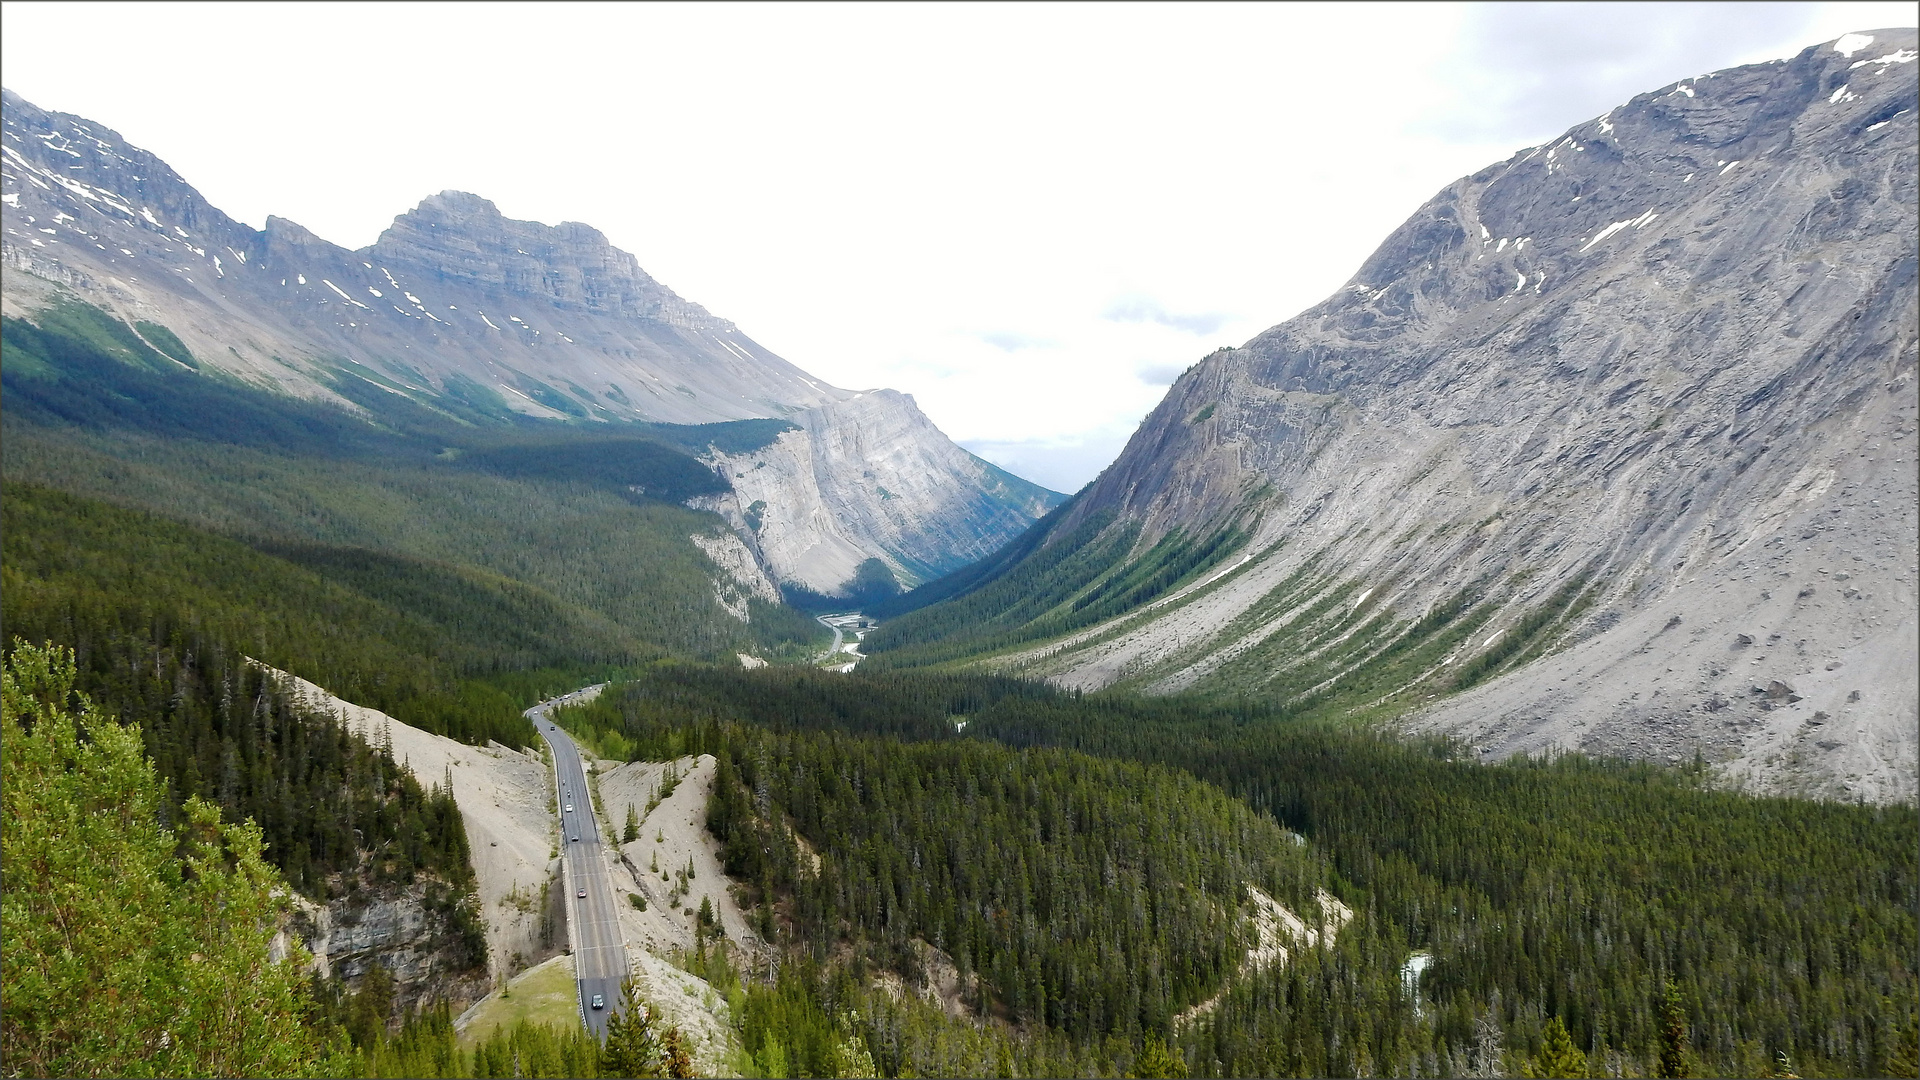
{"x":93,"y":577}
{"x":1092,"y":896}
{"x":1573,"y":890}
{"x":165,"y":622}
{"x":587,"y":515}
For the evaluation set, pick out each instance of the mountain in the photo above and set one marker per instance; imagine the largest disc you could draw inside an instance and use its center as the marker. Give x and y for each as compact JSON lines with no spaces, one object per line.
{"x":1609,"y":447}
{"x":479,"y":316}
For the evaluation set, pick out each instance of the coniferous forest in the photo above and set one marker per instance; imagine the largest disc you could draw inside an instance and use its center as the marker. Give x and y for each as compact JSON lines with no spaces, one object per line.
{"x":1572,"y":892}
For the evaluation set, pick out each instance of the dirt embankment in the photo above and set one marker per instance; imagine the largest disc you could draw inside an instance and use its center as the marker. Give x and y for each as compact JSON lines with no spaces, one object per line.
{"x":653,"y":867}
{"x":1277,"y":931}
{"x":671,"y":836}
{"x":504,"y":798}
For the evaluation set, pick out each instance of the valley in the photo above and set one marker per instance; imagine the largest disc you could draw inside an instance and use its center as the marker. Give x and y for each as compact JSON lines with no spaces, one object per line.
{"x":463,"y":655}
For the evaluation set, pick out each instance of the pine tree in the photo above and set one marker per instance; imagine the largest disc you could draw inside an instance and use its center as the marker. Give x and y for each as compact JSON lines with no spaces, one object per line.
{"x":1673,"y":1034}
{"x":1156,"y":1060}
{"x":673,"y":1050}
{"x":632,"y":1048}
{"x":372,"y":1005}
{"x":1558,"y":1057}
{"x":632,"y":831}
{"x":134,"y":950}
{"x":1904,"y":1058}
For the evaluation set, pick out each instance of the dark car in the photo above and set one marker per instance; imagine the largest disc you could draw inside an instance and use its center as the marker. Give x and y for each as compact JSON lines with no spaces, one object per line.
{"x":599,"y":1002}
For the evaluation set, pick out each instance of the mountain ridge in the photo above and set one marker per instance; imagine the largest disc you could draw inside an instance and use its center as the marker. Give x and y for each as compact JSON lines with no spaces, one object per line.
{"x":468,"y":312}
{"x":1616,"y":380}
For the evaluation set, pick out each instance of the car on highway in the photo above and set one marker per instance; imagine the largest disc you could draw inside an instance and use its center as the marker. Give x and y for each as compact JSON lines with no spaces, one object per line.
{"x":583,"y":894}
{"x":599,"y":1002}
{"x":576,"y":838}
{"x":569,"y":808}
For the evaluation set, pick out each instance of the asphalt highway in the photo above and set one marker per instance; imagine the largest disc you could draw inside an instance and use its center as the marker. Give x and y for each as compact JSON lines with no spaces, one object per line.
{"x":600,"y":956}
{"x":837,"y":637}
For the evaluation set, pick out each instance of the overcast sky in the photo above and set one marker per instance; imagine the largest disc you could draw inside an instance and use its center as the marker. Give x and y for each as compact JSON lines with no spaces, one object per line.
{"x":1029,"y":217}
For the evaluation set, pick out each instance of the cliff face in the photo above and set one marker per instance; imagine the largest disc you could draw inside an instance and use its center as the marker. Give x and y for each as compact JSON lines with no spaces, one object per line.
{"x":396,"y":931}
{"x":1641,"y":399}
{"x":455,"y":305}
{"x":865,"y":475}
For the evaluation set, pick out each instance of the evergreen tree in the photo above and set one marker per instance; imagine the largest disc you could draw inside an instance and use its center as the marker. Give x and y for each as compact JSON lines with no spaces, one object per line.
{"x":673,"y":1050}
{"x":131,"y":950}
{"x":632,"y":831}
{"x":372,"y":1006}
{"x":1904,"y":1058}
{"x":1558,"y":1057}
{"x":1673,"y":1034}
{"x":1156,"y":1060}
{"x":632,"y":1048}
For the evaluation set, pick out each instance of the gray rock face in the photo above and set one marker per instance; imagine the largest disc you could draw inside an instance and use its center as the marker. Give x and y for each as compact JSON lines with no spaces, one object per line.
{"x":454,"y":301}
{"x":1670,"y":354}
{"x":869,"y":474}
{"x":349,"y":935}
{"x":461,"y":240}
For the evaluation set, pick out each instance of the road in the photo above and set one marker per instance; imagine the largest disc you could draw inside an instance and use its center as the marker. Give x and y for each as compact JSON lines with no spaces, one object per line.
{"x":840,"y":623}
{"x":599,"y":956}
{"x":837,"y":637}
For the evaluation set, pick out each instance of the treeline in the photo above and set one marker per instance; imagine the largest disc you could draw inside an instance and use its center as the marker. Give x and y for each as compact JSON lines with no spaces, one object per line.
{"x":426,"y":1044}
{"x":1571,"y":891}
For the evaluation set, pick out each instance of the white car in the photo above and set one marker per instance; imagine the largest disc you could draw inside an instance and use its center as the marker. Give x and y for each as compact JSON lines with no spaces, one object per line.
{"x":569,"y":808}
{"x":583,"y":894}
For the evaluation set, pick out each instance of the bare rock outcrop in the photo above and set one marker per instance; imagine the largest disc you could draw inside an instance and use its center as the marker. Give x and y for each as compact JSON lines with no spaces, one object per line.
{"x":865,"y":475}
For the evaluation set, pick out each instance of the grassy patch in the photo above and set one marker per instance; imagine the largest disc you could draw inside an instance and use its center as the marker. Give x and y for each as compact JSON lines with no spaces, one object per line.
{"x":546,"y":994}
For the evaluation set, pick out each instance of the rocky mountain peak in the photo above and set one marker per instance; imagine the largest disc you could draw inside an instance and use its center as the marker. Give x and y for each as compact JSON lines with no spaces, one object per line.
{"x":464,"y":239}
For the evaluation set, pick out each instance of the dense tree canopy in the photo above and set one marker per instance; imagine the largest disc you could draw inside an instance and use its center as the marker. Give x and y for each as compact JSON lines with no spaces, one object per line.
{"x":131,"y":949}
{"x":1567,"y":891}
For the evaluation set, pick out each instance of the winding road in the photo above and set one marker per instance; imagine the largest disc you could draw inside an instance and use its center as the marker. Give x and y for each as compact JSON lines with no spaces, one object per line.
{"x":593,"y":923}
{"x":838,"y":623}
{"x":837,"y":636}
